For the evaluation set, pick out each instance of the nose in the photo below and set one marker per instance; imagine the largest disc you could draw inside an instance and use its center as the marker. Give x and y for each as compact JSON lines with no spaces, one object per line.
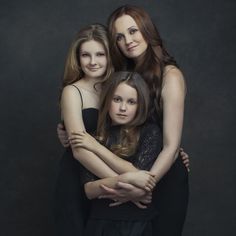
{"x":128,"y":39}
{"x":123,"y":106}
{"x":93,"y":60}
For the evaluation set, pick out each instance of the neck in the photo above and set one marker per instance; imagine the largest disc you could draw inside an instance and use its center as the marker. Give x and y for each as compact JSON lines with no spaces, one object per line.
{"x":139,"y":59}
{"x":90,"y":82}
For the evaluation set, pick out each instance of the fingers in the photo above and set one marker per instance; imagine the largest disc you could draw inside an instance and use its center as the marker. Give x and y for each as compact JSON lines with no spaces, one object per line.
{"x":140,"y":205}
{"x":148,"y":188}
{"x":146,"y":201}
{"x":151,"y":183}
{"x":185,"y":159}
{"x":125,"y":186}
{"x":115,"y":203}
{"x":60,"y":126}
{"x":107,"y":196}
{"x":109,"y":191}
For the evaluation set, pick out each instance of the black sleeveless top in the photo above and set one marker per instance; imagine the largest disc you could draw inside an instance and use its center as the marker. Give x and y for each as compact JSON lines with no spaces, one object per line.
{"x":89,"y":115}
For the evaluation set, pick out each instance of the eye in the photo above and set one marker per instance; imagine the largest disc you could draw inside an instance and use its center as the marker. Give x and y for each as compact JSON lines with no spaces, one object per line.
{"x":119,"y":37}
{"x":132,"y":102}
{"x":133,"y":30}
{"x":101,"y":54}
{"x":116,"y":99}
{"x":84,"y":55}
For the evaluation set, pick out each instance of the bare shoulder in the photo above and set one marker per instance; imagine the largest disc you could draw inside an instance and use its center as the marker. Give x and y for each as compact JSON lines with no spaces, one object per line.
{"x":173,"y":77}
{"x":69,"y":90}
{"x":172,"y":73}
{"x":70,"y":94}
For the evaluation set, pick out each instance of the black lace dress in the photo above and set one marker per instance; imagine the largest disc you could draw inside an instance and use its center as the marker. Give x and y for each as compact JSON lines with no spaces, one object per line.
{"x":126,"y":219}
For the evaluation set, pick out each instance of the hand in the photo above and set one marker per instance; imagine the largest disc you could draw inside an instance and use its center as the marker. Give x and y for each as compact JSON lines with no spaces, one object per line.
{"x":62,"y":135}
{"x":185,"y":158}
{"x":142,"y":179}
{"x":123,"y":192}
{"x":127,"y":192}
{"x":83,"y":139}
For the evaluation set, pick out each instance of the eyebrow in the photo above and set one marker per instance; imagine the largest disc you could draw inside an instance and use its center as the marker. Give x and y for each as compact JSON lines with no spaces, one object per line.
{"x":101,"y":51}
{"x":133,"y":26}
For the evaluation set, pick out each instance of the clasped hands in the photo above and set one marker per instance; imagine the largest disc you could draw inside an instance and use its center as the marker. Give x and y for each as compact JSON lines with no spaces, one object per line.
{"x":132,"y":186}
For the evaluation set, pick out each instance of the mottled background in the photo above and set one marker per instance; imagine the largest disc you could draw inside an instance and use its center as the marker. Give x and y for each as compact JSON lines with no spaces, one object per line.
{"x":35,"y":36}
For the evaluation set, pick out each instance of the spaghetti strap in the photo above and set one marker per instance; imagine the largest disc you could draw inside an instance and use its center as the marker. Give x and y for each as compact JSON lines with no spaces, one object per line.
{"x":79,"y":94}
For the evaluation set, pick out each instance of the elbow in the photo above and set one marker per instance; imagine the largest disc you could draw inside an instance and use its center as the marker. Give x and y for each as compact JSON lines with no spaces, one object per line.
{"x":172,"y":150}
{"x":76,"y":153}
{"x":87,"y":190}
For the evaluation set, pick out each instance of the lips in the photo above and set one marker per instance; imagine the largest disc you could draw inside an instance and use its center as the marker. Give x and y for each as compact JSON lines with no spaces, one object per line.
{"x":131,"y":48}
{"x":121,"y":115}
{"x":93,"y":69}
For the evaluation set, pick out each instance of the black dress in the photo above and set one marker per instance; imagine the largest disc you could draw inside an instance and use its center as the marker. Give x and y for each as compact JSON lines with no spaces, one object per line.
{"x":170,"y":195}
{"x":70,"y":204}
{"x":127,"y":219}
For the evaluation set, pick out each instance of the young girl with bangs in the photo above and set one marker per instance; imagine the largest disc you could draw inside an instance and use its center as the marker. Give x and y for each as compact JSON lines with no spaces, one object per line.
{"x":122,"y":129}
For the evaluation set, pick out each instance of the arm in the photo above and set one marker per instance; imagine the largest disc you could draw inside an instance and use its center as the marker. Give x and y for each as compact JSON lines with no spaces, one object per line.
{"x":62,"y":135}
{"x":85,"y":140}
{"x":185,"y":159}
{"x":93,"y":189}
{"x":150,"y":144}
{"x":72,"y":115}
{"x":173,"y":95}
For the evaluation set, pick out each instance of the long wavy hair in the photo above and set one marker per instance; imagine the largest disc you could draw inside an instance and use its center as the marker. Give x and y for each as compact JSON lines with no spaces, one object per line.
{"x":73,"y":71}
{"x":151,"y":65}
{"x":128,"y":133}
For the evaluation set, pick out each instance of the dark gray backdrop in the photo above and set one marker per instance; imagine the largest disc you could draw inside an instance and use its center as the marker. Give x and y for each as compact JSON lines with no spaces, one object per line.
{"x":35,"y":36}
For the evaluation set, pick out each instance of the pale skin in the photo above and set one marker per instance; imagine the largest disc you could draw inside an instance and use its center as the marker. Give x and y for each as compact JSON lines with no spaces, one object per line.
{"x":93,"y":62}
{"x":122,"y":110}
{"x":174,"y":89}
{"x":133,"y":45}
{"x":172,"y":97}
{"x":71,"y":105}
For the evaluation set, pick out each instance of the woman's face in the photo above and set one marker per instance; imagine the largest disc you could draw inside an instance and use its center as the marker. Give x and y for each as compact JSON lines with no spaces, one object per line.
{"x":93,"y":59}
{"x":129,"y":38}
{"x":124,"y":104}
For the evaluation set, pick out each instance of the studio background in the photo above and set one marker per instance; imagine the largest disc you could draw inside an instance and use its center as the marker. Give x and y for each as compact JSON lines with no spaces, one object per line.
{"x":35,"y":36}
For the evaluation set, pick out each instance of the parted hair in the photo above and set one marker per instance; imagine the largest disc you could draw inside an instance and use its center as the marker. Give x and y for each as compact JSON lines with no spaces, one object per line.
{"x":151,"y":65}
{"x":129,"y":133}
{"x":72,"y":71}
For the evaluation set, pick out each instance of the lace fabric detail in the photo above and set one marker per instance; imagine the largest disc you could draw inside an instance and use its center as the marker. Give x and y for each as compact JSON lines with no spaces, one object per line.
{"x":149,"y":146}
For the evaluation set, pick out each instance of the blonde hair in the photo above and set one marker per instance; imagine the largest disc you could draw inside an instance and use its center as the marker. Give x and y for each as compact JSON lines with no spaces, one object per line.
{"x":72,"y":71}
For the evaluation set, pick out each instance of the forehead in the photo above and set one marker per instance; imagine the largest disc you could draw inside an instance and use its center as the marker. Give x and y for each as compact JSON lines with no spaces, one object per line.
{"x":125,"y":90}
{"x":124,"y":22}
{"x":92,"y":45}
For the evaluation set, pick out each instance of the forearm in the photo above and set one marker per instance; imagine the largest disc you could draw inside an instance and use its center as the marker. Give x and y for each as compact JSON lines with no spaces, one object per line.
{"x":93,"y":189}
{"x":118,"y":164}
{"x":93,"y":163}
{"x":164,"y":161}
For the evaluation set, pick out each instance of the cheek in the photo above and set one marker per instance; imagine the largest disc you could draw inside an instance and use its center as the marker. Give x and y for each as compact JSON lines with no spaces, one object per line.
{"x":112,"y":109}
{"x":120,"y":45}
{"x":134,"y":111}
{"x":83,"y":61}
{"x":106,"y":62}
{"x":103,"y":61}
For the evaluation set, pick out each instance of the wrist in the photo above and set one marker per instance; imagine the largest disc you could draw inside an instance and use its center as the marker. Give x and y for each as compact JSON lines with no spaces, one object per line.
{"x":126,"y":177}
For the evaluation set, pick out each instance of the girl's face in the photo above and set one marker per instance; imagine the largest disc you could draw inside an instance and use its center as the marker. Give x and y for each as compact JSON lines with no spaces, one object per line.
{"x":129,"y":38}
{"x":93,"y":59}
{"x":124,"y":104}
